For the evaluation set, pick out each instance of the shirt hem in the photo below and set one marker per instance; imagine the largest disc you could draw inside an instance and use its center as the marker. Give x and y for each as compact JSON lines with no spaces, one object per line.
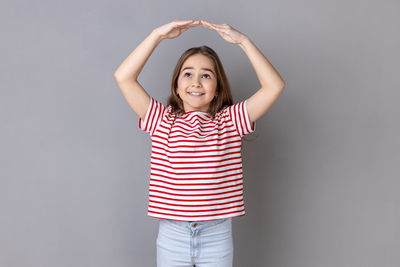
{"x":176,"y":218}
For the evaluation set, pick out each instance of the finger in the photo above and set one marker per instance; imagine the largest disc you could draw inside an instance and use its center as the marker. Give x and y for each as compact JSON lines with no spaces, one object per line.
{"x":219,"y":26}
{"x":218,"y":29}
{"x":185,"y":28}
{"x":182,"y":27}
{"x":194,"y":23}
{"x":209,"y":25}
{"x":189,"y":26}
{"x":183,"y":22}
{"x":214,"y":24}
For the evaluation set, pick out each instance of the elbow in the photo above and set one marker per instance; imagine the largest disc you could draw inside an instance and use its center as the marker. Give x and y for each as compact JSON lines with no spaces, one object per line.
{"x":120,"y":78}
{"x":117,"y":76}
{"x":277,"y":85}
{"x":282,"y":85}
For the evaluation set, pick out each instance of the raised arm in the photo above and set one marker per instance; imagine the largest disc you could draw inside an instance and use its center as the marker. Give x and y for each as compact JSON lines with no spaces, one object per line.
{"x":271,"y":82}
{"x":127,"y":73}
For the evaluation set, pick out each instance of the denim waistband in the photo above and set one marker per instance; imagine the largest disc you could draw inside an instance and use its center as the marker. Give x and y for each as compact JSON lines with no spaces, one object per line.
{"x":198,"y":224}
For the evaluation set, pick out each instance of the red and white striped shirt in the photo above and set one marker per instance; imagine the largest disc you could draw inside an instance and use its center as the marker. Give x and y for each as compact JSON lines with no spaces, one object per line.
{"x":196,"y":163}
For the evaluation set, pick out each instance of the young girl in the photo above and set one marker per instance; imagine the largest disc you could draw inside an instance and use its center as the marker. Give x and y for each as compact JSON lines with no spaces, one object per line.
{"x":196,"y":183}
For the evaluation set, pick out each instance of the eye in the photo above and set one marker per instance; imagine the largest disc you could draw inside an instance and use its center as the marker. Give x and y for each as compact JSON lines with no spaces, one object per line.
{"x":207,"y":75}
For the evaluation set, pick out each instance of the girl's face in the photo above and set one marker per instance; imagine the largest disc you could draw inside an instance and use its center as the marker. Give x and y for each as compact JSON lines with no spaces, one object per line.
{"x":197,"y":83}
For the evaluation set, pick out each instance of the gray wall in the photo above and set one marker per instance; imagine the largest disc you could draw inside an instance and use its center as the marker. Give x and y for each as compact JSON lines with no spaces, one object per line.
{"x":321,"y":177}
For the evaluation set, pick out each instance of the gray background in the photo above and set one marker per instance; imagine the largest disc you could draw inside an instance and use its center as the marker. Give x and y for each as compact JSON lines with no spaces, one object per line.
{"x":321,"y":176}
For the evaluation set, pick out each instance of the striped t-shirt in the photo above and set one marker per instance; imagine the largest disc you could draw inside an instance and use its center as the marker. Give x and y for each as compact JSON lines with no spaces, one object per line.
{"x":196,"y":164}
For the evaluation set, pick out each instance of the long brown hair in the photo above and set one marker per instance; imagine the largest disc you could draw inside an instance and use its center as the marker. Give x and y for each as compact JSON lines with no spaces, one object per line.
{"x":224,"y":95}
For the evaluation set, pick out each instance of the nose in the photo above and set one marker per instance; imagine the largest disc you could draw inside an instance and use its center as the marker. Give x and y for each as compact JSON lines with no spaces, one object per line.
{"x":196,"y":82}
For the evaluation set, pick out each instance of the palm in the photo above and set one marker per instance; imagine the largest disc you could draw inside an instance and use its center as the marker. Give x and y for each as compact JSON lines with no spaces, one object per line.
{"x":173,"y":33}
{"x":176,"y":27}
{"x":229,"y":37}
{"x":227,"y":32}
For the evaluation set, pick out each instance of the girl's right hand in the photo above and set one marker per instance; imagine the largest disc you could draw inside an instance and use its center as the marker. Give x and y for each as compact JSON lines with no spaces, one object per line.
{"x":175,"y":28}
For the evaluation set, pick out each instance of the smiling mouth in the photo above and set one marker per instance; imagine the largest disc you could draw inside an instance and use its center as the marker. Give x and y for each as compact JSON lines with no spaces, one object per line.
{"x":195,"y":94}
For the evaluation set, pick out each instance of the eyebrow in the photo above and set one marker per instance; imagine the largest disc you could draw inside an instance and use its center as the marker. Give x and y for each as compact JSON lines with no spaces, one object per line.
{"x":201,"y":68}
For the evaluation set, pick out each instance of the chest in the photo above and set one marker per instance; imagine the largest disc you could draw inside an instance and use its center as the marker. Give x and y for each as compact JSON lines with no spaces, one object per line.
{"x":195,"y":127}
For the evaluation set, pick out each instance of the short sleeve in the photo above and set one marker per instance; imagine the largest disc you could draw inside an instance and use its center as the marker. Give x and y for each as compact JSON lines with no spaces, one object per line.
{"x":154,"y":115}
{"x":240,"y":118}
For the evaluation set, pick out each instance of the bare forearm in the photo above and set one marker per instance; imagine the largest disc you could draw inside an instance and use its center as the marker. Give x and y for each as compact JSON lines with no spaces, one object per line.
{"x":266,"y":73}
{"x":131,"y":67}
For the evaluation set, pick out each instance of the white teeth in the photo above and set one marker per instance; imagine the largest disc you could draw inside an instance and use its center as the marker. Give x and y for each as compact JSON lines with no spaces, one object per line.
{"x":193,"y":93}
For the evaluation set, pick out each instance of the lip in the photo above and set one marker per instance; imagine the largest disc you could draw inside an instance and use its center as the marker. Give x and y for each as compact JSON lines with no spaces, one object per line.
{"x":195,"y":92}
{"x":195,"y":96}
{"x":189,"y":93}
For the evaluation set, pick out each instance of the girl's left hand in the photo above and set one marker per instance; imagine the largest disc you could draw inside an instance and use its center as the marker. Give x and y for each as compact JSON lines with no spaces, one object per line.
{"x":226,"y":31}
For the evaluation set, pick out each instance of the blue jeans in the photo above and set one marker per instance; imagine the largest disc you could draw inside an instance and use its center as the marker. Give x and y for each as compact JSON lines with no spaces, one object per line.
{"x":200,"y":244}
